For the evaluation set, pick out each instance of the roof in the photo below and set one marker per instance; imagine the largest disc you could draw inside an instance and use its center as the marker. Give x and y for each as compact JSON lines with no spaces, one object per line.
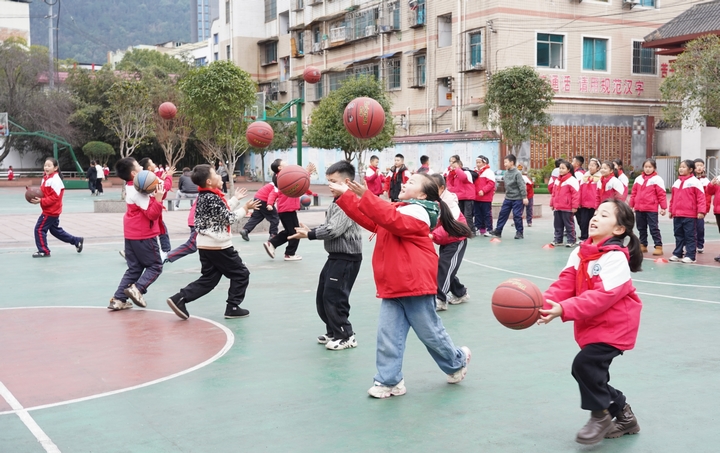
{"x":699,"y":20}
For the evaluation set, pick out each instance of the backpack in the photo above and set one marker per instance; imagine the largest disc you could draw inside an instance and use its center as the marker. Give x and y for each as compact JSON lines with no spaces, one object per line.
{"x":474,"y":175}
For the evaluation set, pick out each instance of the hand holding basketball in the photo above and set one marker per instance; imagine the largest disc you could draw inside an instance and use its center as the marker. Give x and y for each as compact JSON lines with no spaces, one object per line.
{"x":159,"y":192}
{"x":551,"y":314}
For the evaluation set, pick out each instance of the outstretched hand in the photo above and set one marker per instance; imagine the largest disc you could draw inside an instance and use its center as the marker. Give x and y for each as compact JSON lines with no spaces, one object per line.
{"x":337,"y":189}
{"x":357,"y":188}
{"x":301,"y":232}
{"x":252,"y":204}
{"x":311,"y":168}
{"x":240,"y":193}
{"x":550,"y":314}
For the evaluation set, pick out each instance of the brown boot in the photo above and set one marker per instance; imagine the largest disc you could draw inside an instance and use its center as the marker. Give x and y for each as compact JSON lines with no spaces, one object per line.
{"x":625,"y":423}
{"x":595,"y":429}
{"x":643,"y":248}
{"x":658,"y":250}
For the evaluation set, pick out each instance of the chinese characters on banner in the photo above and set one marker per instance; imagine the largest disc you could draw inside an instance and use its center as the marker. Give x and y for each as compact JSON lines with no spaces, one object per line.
{"x":601,"y":85}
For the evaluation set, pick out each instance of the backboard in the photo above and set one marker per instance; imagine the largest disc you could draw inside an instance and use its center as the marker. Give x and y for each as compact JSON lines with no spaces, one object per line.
{"x":257,"y":111}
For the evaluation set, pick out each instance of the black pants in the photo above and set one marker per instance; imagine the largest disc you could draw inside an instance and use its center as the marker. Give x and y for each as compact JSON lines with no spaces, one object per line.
{"x":289,"y":222}
{"x":98,"y":185}
{"x":144,"y":265}
{"x":685,"y":230}
{"x":564,"y":222}
{"x":215,"y":264}
{"x":643,"y":220}
{"x":467,"y":208}
{"x":483,"y":215}
{"x":591,"y":370}
{"x":583,"y":216}
{"x":333,"y":295}
{"x":262,"y":213}
{"x":451,"y":256}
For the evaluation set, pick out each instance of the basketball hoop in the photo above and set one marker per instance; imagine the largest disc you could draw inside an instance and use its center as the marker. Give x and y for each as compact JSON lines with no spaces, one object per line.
{"x":4,"y":126}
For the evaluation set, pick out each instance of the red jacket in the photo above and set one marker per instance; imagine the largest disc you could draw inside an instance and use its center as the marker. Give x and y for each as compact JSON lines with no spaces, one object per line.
{"x":284,"y":203}
{"x":404,"y":260}
{"x":53,"y":190}
{"x":610,"y":187}
{"x":142,"y":220}
{"x":648,"y":192}
{"x":589,"y":190}
{"x":529,"y":187}
{"x":486,"y":183}
{"x":714,"y":190}
{"x":441,"y":237}
{"x":460,"y":183}
{"x":602,"y":302}
{"x":708,"y":196}
{"x":167,"y":185}
{"x":264,"y":192}
{"x":393,"y":174}
{"x":688,"y":197}
{"x":566,"y":194}
{"x":622,"y":177}
{"x":374,"y":180}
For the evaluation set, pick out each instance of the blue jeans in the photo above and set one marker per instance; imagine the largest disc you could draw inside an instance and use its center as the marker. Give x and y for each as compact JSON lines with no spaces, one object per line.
{"x":396,"y":318}
{"x":516,"y":206}
{"x":684,"y":229}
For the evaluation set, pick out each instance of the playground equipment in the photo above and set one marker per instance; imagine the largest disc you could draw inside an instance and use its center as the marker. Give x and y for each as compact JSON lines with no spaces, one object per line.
{"x":258,"y":113}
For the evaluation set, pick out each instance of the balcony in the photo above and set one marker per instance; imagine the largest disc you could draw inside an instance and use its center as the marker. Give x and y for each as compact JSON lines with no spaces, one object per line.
{"x":416,"y":18}
{"x":338,"y":34}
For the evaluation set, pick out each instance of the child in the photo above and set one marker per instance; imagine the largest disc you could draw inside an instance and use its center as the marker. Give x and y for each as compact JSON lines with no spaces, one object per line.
{"x":53,"y":190}
{"x":405,"y":269}
{"x":700,"y":223}
{"x":515,"y":199}
{"x":92,"y":178}
{"x":622,"y":177}
{"x":213,"y":217}
{"x":264,"y":210}
{"x":424,"y":166}
{"x":577,"y":163}
{"x":609,"y":186}
{"x":713,"y":189}
{"x":106,"y":171}
{"x":190,"y":246}
{"x":595,"y":290}
{"x":484,"y":192}
{"x":11,"y":173}
{"x":343,"y":243}
{"x":186,"y":188}
{"x":564,"y":201}
{"x":373,"y":177}
{"x":687,"y":204}
{"x":141,"y":227}
{"x":222,"y":171}
{"x":588,"y":197}
{"x":452,"y":251}
{"x":100,"y":176}
{"x":530,"y":189}
{"x":648,"y":193}
{"x":553,"y":176}
{"x":461,"y":182}
{"x":397,"y":176}
{"x":166,"y":177}
{"x":287,"y":209}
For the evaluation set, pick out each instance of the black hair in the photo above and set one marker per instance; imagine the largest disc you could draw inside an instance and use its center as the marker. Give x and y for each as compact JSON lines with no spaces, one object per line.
{"x":626,"y":219}
{"x":650,"y":161}
{"x":186,"y":169}
{"x":484,"y":159}
{"x":374,"y":157}
{"x":400,"y":156}
{"x":457,"y":159}
{"x":343,"y":167}
{"x":92,"y":162}
{"x":513,"y":159}
{"x":144,"y":162}
{"x":439,"y":179}
{"x":275,"y":166}
{"x":699,"y":161}
{"x":618,"y":162}
{"x":596,"y":160}
{"x":124,"y":168}
{"x":424,"y":159}
{"x":690,"y":164}
{"x":580,"y":159}
{"x":452,"y":226}
{"x":200,"y":175}
{"x":694,"y":167}
{"x":557,"y":162}
{"x":568,"y":165}
{"x":610,"y":165}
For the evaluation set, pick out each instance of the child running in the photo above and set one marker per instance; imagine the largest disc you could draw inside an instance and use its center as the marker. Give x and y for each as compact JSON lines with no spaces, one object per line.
{"x":595,"y":290}
{"x":700,"y":223}
{"x":190,"y":246}
{"x":564,"y":202}
{"x":588,"y":197}
{"x":648,"y":192}
{"x":166,"y":177}
{"x":213,"y":217}
{"x":264,"y":210}
{"x":609,"y":186}
{"x":484,"y":191}
{"x":405,"y":270}
{"x":687,"y":204}
{"x":53,"y":190}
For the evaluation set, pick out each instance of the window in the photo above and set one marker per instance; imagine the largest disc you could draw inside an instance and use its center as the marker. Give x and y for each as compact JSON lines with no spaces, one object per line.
{"x":445,"y":30}
{"x":299,"y":43}
{"x":200,"y":61}
{"x":475,"y":47}
{"x":228,"y":55}
{"x":316,"y":34}
{"x":550,"y":51}
{"x":215,"y":56}
{"x":270,"y":10}
{"x":335,"y":80}
{"x":644,"y":60}
{"x":227,"y":11}
{"x":363,"y":23}
{"x":393,"y":74}
{"x":319,"y":89}
{"x":420,"y":70}
{"x":216,"y":39}
{"x":595,"y":54}
{"x":270,"y":53}
{"x":396,"y":19}
{"x":647,"y":3}
{"x":284,"y":68}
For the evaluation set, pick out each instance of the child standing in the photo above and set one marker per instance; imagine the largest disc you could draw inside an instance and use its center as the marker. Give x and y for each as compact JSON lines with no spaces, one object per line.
{"x":648,"y":193}
{"x":622,"y":177}
{"x":588,"y":197}
{"x":397,"y":176}
{"x":213,"y":217}
{"x":407,"y":290}
{"x":609,"y":186}
{"x":287,"y":209}
{"x":141,"y":227}
{"x":424,"y":166}
{"x":713,"y":189}
{"x":564,"y":201}
{"x":53,"y":190}
{"x":687,"y":204}
{"x":11,"y":173}
{"x":515,"y":199}
{"x":595,"y":290}
{"x":461,"y":182}
{"x":700,"y":223}
{"x":264,"y":211}
{"x":484,"y":192}
{"x":530,"y":189}
{"x":373,"y":177}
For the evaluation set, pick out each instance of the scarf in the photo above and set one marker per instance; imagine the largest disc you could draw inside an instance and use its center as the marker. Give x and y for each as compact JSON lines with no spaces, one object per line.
{"x":432,"y":208}
{"x":564,"y":178}
{"x":605,"y":179}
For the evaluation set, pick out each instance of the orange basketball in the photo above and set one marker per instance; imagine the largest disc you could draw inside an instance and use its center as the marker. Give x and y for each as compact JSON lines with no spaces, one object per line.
{"x":311,"y":74}
{"x":259,"y":134}
{"x":293,"y":181}
{"x":516,"y":303}
{"x":32,"y":192}
{"x":167,"y":110}
{"x":364,"y":118}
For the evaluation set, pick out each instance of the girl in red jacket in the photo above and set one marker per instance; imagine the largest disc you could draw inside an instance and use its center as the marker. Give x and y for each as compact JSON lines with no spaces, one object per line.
{"x":564,"y":201}
{"x":609,"y":185}
{"x":287,"y":209}
{"x":408,"y":297}
{"x":687,"y":204}
{"x":484,"y":191}
{"x":460,"y":182}
{"x":648,"y":192}
{"x":588,"y":197}
{"x":595,"y":290}
{"x":53,"y":190}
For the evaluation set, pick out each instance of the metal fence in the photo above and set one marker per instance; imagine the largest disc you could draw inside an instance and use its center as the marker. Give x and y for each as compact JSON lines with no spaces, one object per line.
{"x":667,"y":168}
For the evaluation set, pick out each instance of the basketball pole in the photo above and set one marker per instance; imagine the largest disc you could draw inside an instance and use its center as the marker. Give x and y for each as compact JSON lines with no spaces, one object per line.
{"x":289,"y":119}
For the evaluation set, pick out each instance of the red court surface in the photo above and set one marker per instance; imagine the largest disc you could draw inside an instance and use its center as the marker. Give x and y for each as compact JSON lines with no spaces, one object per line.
{"x":58,"y":354}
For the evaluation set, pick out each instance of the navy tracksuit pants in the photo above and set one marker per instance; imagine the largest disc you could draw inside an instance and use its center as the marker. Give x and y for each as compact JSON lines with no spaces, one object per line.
{"x":48,"y":223}
{"x":144,"y":265}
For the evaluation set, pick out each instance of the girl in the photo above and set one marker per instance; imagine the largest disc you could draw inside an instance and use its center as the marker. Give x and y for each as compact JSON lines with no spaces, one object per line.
{"x":53,"y":190}
{"x":609,"y":186}
{"x":564,"y":201}
{"x":648,"y":193}
{"x":713,"y":189}
{"x":700,"y":223}
{"x":405,"y":269}
{"x":595,"y":291}
{"x":588,"y":197}
{"x":687,"y":203}
{"x":461,"y":182}
{"x":484,"y":191}
{"x":452,"y":251}
{"x":622,"y":177}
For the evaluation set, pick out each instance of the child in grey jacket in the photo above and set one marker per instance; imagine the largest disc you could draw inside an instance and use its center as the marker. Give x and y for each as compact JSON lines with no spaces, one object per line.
{"x":515,"y":199}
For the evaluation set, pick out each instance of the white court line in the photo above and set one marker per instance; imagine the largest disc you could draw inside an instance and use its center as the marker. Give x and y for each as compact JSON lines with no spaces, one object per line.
{"x":28,"y":421}
{"x":714,"y":266}
{"x":228,"y":344}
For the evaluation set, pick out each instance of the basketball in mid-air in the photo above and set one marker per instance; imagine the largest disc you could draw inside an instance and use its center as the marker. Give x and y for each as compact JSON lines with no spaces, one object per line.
{"x":306,"y":200}
{"x":259,"y":134}
{"x":311,"y":74}
{"x":32,"y":192}
{"x":293,"y":181}
{"x":364,"y":118}
{"x":167,"y":110}
{"x":516,"y":303}
{"x":146,"y":182}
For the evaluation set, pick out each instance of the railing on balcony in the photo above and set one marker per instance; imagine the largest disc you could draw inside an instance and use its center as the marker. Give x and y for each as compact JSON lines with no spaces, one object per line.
{"x":338,"y":34}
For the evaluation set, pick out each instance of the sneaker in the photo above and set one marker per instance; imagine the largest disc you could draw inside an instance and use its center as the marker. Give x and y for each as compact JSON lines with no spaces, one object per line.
{"x":79,"y":245}
{"x":717,"y":258}
{"x":440,"y":305}
{"x":700,"y":249}
{"x":325,"y":338}
{"x":482,"y":232}
{"x":557,"y":244}
{"x":687,"y":260}
{"x":293,"y":257}
{"x":488,"y":234}
{"x":459,"y":300}
{"x":341,"y":343}
{"x":570,"y":245}
{"x":233,"y":311}
{"x":40,"y":255}
{"x":133,"y":293}
{"x":244,"y":235}
{"x":674,"y":259}
{"x":495,"y":234}
{"x":163,"y":256}
{"x":459,"y":375}
{"x":529,"y":225}
{"x":122,"y":253}
{"x":383,"y":391}
{"x":117,"y":304}
{"x":177,"y":304}
{"x":519,"y":236}
{"x":270,"y":249}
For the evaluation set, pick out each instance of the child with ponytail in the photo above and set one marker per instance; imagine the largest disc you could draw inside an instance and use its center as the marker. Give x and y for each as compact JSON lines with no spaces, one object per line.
{"x":609,"y":185}
{"x":648,"y":192}
{"x":564,"y":202}
{"x":595,"y":290}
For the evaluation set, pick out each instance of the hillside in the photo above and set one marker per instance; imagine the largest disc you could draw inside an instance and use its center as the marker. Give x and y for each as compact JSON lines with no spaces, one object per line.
{"x":89,"y":28}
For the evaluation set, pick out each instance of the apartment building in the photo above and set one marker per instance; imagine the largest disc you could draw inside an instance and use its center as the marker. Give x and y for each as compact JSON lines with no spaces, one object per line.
{"x":15,"y":19}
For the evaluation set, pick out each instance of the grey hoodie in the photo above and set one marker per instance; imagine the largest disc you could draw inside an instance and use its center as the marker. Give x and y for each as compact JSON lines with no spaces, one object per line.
{"x":514,"y":185}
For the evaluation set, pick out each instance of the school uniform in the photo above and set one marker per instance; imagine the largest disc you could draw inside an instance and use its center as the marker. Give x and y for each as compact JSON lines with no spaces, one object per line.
{"x":451,"y":253}
{"x":190,"y":246}
{"x":374,"y":180}
{"x":622,"y":177}
{"x":648,"y":193}
{"x":588,"y":202}
{"x":261,"y":212}
{"x":53,"y":190}
{"x":686,"y":201}
{"x":564,"y":200}
{"x":460,"y":182}
{"x":287,"y":209}
{"x":482,"y":207}
{"x":530,"y":189}
{"x":700,"y":223}
{"x":395,"y":179}
{"x":609,"y":187}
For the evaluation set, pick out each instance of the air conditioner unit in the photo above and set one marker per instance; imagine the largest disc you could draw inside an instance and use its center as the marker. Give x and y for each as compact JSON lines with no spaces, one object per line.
{"x":274,"y":86}
{"x":316,"y":47}
{"x":392,"y":5}
{"x":282,"y":87}
{"x":631,"y":3}
{"x":370,"y":30}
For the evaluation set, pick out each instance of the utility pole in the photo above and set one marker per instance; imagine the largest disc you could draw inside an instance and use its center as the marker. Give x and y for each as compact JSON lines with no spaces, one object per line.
{"x":51,"y":49}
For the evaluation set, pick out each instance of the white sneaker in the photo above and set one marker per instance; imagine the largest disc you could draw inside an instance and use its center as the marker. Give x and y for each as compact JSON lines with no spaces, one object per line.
{"x":440,"y":305}
{"x":117,"y":304}
{"x":459,"y":300}
{"x":163,"y":256}
{"x":324,"y":338}
{"x":133,"y":293}
{"x":341,"y":343}
{"x":122,"y":253}
{"x":270,"y":249}
{"x":700,"y":249}
{"x":459,"y":375}
{"x":674,"y":259}
{"x":383,"y":391}
{"x":293,"y":257}
{"x":487,"y":234}
{"x":687,"y":260}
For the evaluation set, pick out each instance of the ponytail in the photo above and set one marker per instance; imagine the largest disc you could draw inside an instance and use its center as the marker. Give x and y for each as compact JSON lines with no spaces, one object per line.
{"x":452,"y":226}
{"x":626,"y":219}
{"x":636,"y":255}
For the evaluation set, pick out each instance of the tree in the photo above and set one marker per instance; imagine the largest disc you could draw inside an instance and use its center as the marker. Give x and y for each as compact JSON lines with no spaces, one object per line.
{"x":138,"y":59}
{"x":327,"y":130}
{"x":129,"y":114}
{"x":171,"y":135}
{"x":98,"y":151}
{"x":692,"y":91}
{"x":216,"y":97}
{"x":515,"y":102}
{"x":90,"y":91}
{"x":284,"y":134}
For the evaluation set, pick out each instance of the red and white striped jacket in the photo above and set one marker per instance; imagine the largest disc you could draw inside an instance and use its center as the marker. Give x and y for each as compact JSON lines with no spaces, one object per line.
{"x":486,"y":183}
{"x":53,"y":190}
{"x":589,"y":190}
{"x":688,"y":197}
{"x":566,"y":194}
{"x":622,"y":177}
{"x":610,"y":187}
{"x":142,"y":219}
{"x":648,"y":193}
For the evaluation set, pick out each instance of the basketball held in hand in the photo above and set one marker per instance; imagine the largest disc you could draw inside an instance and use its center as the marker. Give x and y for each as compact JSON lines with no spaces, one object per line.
{"x":259,"y":134}
{"x":516,"y":303}
{"x":293,"y":181}
{"x":146,"y":182}
{"x":364,"y":118}
{"x":32,"y":192}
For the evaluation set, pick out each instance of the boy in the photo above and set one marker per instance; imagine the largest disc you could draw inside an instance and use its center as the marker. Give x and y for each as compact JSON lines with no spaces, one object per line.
{"x":398,"y":176}
{"x":343,"y":242}
{"x":515,"y":199}
{"x":264,"y":210}
{"x":166,"y":177}
{"x":373,"y":177}
{"x":424,"y":167}
{"x":213,"y":217}
{"x":577,"y":163}
{"x":141,"y":228}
